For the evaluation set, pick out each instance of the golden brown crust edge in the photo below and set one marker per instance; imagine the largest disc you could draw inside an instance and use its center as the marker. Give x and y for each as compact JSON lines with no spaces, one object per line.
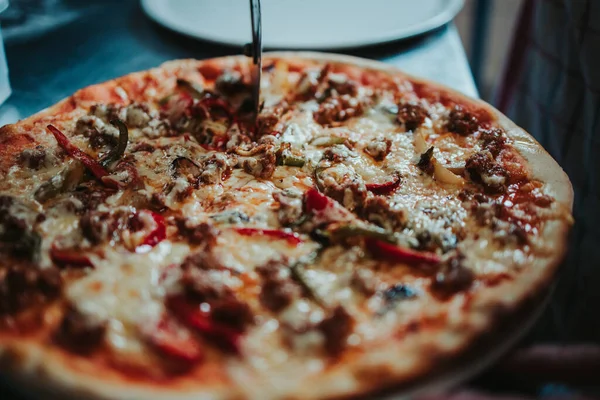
{"x":380,"y":367}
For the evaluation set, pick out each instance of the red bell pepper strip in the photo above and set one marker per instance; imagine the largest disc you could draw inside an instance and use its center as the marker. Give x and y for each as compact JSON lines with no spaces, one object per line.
{"x":384,"y":188}
{"x":94,"y":166}
{"x":323,"y":209}
{"x":291,"y":237}
{"x":316,"y":201}
{"x":174,"y":343}
{"x":190,"y":314}
{"x":159,"y":233}
{"x":391,"y":252}
{"x":70,"y":257}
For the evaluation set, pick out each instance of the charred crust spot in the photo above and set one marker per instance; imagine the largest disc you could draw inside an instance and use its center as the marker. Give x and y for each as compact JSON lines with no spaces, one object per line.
{"x":425,"y":162}
{"x":78,"y":334}
{"x":11,"y":143}
{"x":336,"y":328}
{"x":452,"y":277}
{"x":462,"y":121}
{"x":411,"y":114}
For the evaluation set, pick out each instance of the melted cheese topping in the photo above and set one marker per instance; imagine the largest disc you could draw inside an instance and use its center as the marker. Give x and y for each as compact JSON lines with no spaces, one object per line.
{"x":126,"y":289}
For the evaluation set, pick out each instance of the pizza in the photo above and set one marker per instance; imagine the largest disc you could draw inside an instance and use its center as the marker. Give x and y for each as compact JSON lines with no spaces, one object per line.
{"x":366,"y":230}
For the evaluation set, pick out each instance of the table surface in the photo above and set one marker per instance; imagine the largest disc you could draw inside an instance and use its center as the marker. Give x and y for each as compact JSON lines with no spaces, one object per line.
{"x":55,"y":47}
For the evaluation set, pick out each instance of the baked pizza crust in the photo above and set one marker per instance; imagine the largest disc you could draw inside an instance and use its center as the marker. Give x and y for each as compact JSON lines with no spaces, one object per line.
{"x":38,"y":369}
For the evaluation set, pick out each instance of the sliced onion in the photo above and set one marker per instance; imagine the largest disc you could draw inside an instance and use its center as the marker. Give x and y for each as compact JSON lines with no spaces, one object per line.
{"x":440,"y":172}
{"x":421,"y":145}
{"x":444,"y":175}
{"x":457,"y":168}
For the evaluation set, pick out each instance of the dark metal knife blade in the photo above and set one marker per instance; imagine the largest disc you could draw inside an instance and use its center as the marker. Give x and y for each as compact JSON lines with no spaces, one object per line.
{"x":254,"y":50}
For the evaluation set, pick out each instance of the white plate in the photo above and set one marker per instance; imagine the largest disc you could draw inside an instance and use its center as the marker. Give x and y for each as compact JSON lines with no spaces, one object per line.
{"x":304,"y":24}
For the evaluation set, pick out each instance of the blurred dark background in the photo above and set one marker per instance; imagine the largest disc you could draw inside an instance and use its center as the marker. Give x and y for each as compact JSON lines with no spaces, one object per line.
{"x":501,"y":16}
